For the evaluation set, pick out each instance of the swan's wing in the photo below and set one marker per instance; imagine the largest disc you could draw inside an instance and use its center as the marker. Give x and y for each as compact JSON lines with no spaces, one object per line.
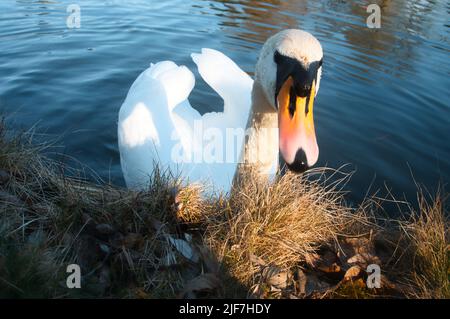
{"x":148,"y":129}
{"x":224,"y":131}
{"x":156,"y":118}
{"x":224,"y":77}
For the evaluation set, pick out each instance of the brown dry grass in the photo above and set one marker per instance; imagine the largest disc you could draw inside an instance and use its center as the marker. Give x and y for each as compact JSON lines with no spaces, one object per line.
{"x":262,"y":240}
{"x":280,"y":224}
{"x":428,"y":234}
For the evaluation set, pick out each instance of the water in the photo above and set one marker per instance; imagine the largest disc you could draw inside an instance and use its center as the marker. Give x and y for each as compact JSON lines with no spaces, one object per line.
{"x":383,"y":104}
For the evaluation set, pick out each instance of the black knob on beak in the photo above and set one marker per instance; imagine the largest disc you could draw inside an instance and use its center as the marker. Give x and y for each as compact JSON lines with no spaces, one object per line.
{"x":300,"y":163}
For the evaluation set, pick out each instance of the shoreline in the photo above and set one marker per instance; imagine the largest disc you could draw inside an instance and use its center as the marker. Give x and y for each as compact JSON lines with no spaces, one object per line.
{"x":295,"y":238}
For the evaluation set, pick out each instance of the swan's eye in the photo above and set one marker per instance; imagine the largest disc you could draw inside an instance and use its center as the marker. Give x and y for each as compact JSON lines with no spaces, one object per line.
{"x":292,"y":102}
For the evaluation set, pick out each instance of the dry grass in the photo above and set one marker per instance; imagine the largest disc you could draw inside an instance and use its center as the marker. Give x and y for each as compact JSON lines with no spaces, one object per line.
{"x":428,"y":235}
{"x":292,"y":238}
{"x":279,"y":224}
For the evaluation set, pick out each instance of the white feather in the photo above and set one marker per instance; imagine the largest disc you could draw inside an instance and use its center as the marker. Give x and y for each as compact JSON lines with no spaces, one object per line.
{"x":157,"y":124}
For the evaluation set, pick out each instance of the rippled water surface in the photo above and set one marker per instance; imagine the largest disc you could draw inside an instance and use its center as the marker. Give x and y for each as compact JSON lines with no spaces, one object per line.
{"x":383,"y":104}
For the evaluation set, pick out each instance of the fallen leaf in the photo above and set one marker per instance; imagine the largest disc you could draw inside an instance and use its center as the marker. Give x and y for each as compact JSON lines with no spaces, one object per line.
{"x":275,"y":277}
{"x":274,"y":289}
{"x":301,"y":282}
{"x":331,"y":269}
{"x":184,"y":249}
{"x":353,"y":273}
{"x":364,"y":259}
{"x":257,"y":292}
{"x":360,"y":283}
{"x":358,"y":251}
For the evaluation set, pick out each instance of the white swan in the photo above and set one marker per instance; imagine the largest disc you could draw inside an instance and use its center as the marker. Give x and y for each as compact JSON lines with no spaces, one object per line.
{"x":262,"y":119}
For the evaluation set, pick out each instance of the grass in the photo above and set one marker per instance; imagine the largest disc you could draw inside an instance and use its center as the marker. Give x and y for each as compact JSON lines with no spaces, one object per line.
{"x":293,"y":238}
{"x":428,"y":235}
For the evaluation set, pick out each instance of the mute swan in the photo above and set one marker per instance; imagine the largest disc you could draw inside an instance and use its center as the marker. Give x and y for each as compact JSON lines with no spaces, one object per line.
{"x":265,"y":123}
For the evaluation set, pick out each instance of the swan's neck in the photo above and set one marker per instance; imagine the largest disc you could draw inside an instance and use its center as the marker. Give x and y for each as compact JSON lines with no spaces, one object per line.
{"x":261,"y":144}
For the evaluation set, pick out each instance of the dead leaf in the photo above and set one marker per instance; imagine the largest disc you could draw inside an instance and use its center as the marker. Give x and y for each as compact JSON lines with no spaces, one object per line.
{"x":363,"y":248}
{"x":353,"y":273}
{"x":301,"y":282}
{"x":331,"y":269}
{"x":274,"y":289}
{"x":364,"y":259}
{"x":360,"y":283}
{"x":184,"y":249}
{"x":257,"y":292}
{"x":275,"y":277}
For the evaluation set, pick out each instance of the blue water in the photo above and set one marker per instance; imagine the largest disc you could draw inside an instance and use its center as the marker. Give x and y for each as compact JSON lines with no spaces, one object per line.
{"x":383,"y":104}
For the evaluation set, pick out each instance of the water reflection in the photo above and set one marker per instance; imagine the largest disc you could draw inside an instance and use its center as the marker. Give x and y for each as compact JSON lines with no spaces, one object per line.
{"x":342,"y":23}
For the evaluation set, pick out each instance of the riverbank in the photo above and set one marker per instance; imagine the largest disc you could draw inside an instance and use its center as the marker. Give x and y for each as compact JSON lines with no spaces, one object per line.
{"x":296,"y":238}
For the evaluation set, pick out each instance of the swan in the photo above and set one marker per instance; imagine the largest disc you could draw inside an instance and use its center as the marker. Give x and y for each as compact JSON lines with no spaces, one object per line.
{"x":266,"y":123}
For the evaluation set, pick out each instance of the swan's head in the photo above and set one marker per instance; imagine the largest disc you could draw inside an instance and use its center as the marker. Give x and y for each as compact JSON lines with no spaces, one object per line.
{"x":289,"y":70}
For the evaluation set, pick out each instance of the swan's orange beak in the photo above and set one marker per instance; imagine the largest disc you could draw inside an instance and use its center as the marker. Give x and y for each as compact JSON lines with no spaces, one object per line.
{"x":297,"y":137}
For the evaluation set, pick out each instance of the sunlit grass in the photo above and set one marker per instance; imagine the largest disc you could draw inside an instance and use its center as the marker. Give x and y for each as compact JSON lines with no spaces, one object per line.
{"x":293,"y":238}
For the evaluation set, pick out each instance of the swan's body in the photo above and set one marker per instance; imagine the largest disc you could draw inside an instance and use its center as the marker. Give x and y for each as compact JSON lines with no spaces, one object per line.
{"x":157,"y":124}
